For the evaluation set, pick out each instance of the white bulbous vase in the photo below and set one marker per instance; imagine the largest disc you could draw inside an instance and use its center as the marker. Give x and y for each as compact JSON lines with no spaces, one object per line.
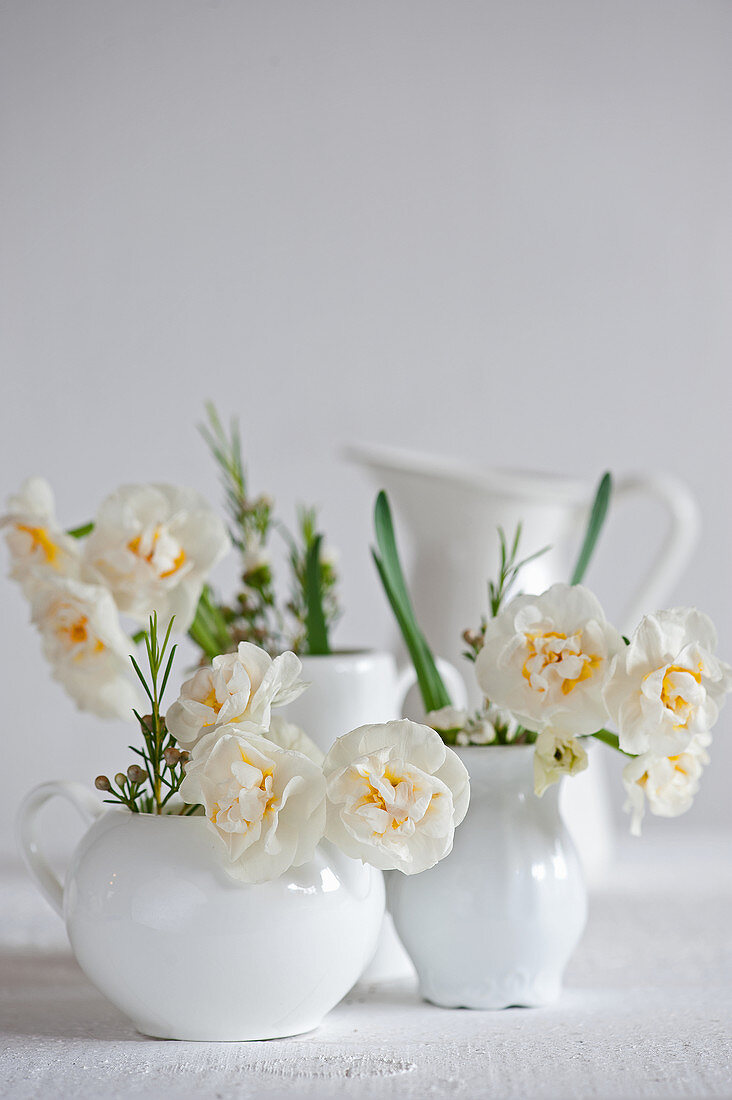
{"x":495,"y":923}
{"x":186,"y":951}
{"x":350,"y":689}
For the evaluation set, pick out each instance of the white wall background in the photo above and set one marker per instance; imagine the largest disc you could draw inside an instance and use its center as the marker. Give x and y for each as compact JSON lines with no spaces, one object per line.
{"x":493,"y":229}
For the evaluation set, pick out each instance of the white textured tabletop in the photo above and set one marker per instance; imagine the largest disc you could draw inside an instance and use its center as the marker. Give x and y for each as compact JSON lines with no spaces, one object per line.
{"x":646,"y":1012}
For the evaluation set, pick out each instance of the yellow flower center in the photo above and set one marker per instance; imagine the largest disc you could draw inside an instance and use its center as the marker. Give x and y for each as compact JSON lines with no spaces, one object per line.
{"x":41,"y":541}
{"x":266,"y":789}
{"x":374,"y":797}
{"x":672,"y":688}
{"x":678,"y":763}
{"x":135,"y":546}
{"x":212,"y":702}
{"x":543,"y":651}
{"x":76,"y":632}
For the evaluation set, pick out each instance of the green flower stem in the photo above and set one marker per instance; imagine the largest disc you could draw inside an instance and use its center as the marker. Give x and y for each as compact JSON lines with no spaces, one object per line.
{"x":612,"y":740}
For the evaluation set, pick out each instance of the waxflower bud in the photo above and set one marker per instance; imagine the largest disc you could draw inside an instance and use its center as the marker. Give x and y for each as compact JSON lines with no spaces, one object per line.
{"x":172,"y":756}
{"x":120,"y":779}
{"x":102,"y":783}
{"x":136,"y":774}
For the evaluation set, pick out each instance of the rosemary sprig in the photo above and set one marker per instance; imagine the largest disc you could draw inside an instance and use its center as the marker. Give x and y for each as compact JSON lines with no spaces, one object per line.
{"x":509,"y":568}
{"x":254,"y":617}
{"x":149,"y":786}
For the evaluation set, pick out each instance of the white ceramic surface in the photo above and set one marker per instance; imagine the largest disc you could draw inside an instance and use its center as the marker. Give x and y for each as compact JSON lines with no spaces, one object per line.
{"x":347,"y":690}
{"x":494,"y":924}
{"x":185,"y":951}
{"x":448,"y":564}
{"x":351,"y":689}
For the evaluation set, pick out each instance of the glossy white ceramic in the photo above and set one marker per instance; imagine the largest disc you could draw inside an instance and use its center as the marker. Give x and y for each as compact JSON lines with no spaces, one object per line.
{"x":351,"y":689}
{"x":449,"y":563}
{"x":494,"y":924}
{"x":185,"y":951}
{"x":347,"y":690}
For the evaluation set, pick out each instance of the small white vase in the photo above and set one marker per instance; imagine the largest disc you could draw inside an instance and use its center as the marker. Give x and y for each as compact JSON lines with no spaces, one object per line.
{"x":495,"y":923}
{"x":187,"y":952}
{"x":353,"y":688}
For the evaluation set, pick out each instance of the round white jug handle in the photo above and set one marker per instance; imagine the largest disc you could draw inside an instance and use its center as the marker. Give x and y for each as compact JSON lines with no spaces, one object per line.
{"x":453,"y":682}
{"x":677,"y":547}
{"x":89,"y":808}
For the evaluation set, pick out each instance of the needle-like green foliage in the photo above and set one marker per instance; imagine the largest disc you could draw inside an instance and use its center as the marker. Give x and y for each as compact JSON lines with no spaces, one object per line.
{"x":148,"y":787}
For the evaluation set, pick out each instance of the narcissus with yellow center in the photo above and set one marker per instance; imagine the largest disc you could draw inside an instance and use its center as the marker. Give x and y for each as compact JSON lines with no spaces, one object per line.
{"x":546,"y":660}
{"x":265,"y":804}
{"x":667,"y":685}
{"x":396,"y":793}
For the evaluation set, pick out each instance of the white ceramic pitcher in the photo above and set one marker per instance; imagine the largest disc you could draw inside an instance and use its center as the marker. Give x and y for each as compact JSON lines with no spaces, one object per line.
{"x":447,"y":513}
{"x":186,"y":951}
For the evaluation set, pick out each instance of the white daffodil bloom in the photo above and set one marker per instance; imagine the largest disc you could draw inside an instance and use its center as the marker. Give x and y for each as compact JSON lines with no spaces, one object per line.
{"x":667,"y":783}
{"x":38,"y":547}
{"x":239,"y":687}
{"x":85,"y":645}
{"x":478,"y":731}
{"x":396,"y":793}
{"x":502,"y":720}
{"x":554,"y":757}
{"x":547,"y":658}
{"x":266,"y":804}
{"x":154,"y":546}
{"x":667,"y":686}
{"x":289,"y":736}
{"x":447,"y":719}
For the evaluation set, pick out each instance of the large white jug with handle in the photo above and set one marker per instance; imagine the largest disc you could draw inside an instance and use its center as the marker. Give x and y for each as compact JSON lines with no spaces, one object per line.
{"x":447,"y":514}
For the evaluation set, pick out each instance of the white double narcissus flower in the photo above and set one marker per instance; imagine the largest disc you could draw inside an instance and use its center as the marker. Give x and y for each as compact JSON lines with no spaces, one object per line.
{"x":289,"y":736}
{"x":667,"y":783}
{"x":154,"y":546}
{"x":555,"y":757}
{"x":87,"y":649}
{"x":239,"y":687}
{"x":395,"y":795}
{"x":447,"y":719}
{"x":265,"y":804}
{"x":547,"y":658}
{"x":667,"y":686}
{"x":38,"y":546}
